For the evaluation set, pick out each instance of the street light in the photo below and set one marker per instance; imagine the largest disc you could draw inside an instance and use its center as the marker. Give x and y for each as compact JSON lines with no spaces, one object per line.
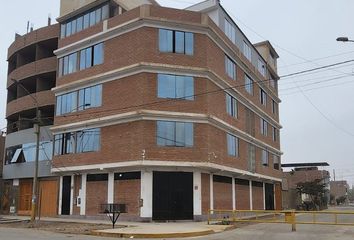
{"x":37,"y":132}
{"x":344,"y":39}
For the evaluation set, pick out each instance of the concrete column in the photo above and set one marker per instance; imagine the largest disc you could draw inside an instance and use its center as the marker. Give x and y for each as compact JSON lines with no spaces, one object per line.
{"x":197,"y":195}
{"x":83,"y":194}
{"x":60,"y":194}
{"x":211,"y":192}
{"x":146,"y":194}
{"x":251,"y":195}
{"x":72,"y":194}
{"x":110,"y":188}
{"x":274,"y":197}
{"x":264,"y":201}
{"x":233,"y":194}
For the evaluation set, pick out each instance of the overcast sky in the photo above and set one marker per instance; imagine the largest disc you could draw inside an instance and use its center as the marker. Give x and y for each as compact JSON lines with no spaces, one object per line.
{"x":317,"y":110}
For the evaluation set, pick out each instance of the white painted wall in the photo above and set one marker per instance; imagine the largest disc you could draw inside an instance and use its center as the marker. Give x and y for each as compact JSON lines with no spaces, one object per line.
{"x":211,"y":192}
{"x":197,"y":193}
{"x":146,"y":194}
{"x":110,"y":190}
{"x":251,"y":196}
{"x":233,"y":194}
{"x":72,"y":194}
{"x":60,"y":194}
{"x":83,"y":194}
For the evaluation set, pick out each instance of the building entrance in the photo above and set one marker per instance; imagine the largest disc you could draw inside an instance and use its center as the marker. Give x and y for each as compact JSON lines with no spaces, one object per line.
{"x":172,"y":196}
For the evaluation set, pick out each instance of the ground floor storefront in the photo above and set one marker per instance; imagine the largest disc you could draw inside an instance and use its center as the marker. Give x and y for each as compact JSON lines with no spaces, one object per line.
{"x":16,"y":197}
{"x":164,"y":194}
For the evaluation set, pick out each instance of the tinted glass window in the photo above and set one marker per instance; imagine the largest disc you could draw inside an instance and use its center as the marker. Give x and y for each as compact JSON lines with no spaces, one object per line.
{"x":165,"y":40}
{"x":98,"y":54}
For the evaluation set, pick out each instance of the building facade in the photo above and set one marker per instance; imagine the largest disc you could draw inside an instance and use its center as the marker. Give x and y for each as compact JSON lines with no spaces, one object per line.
{"x":300,"y":173}
{"x":170,"y":112}
{"x":31,"y":76}
{"x":339,"y":189}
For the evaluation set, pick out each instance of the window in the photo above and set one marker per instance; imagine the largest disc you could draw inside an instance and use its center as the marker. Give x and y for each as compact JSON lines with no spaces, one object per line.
{"x":265,"y":160}
{"x":261,"y":67}
{"x":98,"y":54}
{"x":263,"y":97}
{"x":274,"y":134}
{"x":231,"y":106}
{"x":248,"y":84}
{"x":264,"y":127}
{"x":176,"y":41}
{"x":87,"y":140}
{"x":90,"y":97}
{"x":230,"y":67}
{"x":66,"y":103}
{"x":64,"y":143}
{"x":172,"y":86}
{"x":232,"y":145}
{"x":89,"y":57}
{"x":79,"y":100}
{"x":230,"y":31}
{"x":27,"y":152}
{"x":72,"y":63}
{"x":84,"y":21}
{"x":276,"y":162}
{"x":247,"y":51}
{"x":274,"y":107}
{"x":174,"y":134}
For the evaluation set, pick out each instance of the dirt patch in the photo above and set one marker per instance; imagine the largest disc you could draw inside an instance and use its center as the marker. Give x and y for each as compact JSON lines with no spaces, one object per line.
{"x":60,"y":227}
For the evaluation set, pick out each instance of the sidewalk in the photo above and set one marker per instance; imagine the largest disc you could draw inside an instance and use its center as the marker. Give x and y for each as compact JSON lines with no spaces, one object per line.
{"x":141,"y":229}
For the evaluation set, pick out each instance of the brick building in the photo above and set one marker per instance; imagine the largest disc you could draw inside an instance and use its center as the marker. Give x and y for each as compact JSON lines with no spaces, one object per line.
{"x":31,"y":76}
{"x":301,"y":172}
{"x":339,"y":189}
{"x":171,"y":112}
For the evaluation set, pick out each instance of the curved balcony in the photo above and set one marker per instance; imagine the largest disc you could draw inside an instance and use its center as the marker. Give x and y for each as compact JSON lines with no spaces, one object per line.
{"x":36,"y":36}
{"x":44,"y":98}
{"x":32,"y":69}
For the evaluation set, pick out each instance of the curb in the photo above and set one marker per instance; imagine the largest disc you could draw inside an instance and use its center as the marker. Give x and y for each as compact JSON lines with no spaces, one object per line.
{"x":151,"y":235}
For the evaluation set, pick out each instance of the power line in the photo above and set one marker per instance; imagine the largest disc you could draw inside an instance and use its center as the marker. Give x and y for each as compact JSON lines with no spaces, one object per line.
{"x":315,"y":59}
{"x":311,"y":89}
{"x":198,"y":94}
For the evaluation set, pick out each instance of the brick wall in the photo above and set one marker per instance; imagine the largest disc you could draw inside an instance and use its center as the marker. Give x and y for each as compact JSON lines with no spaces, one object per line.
{"x":242,"y":196}
{"x":96,"y":194}
{"x":257,"y":197}
{"x":205,"y":193}
{"x":222,"y":195}
{"x":128,"y":192}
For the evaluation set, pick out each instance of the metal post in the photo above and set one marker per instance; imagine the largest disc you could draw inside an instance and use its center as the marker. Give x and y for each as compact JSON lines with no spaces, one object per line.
{"x":35,"y":177}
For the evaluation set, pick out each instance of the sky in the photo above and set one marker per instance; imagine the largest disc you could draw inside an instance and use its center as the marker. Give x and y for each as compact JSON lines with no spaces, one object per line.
{"x":317,"y":109}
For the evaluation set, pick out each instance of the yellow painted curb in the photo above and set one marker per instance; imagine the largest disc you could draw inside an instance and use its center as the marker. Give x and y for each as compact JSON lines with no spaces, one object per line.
{"x":152,"y":235}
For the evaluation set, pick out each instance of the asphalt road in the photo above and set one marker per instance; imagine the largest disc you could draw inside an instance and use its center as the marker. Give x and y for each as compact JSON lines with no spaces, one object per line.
{"x":264,"y":231}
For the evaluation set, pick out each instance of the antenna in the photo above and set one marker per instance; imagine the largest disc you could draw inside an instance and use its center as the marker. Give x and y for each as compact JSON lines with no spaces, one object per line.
{"x":49,"y":19}
{"x":27,"y":26}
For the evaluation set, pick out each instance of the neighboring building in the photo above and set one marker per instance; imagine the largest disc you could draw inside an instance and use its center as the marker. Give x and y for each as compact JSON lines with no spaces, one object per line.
{"x":2,"y":148}
{"x":171,"y":112}
{"x":339,"y":189}
{"x":31,"y":76}
{"x":301,"y":172}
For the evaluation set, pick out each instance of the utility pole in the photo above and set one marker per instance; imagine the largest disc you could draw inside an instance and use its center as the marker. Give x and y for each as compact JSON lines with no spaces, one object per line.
{"x":37,"y":131}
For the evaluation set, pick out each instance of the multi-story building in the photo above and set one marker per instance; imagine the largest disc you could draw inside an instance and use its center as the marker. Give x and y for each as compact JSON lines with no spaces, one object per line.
{"x":31,"y":76}
{"x":171,"y":112}
{"x":300,"y":173}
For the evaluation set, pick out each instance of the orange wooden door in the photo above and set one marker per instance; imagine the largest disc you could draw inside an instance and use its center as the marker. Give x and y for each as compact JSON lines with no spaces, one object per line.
{"x":278,"y":197}
{"x":48,"y":204}
{"x":25,"y":197}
